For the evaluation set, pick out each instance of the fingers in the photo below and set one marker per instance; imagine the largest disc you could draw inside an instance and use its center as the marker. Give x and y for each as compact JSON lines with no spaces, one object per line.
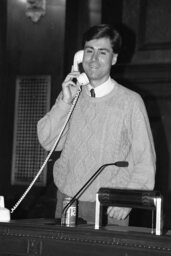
{"x":71,"y":76}
{"x":69,"y":87}
{"x":118,"y":212}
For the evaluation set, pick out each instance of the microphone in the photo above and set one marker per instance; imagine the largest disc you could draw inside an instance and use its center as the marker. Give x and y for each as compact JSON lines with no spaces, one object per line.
{"x":92,"y":178}
{"x":121,"y":164}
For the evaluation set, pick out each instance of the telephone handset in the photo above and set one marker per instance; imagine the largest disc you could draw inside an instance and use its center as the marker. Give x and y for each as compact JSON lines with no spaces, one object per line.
{"x":78,"y":58}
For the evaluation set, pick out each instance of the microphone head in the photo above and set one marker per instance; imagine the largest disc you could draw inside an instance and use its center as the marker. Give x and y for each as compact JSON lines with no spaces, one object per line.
{"x":121,"y":164}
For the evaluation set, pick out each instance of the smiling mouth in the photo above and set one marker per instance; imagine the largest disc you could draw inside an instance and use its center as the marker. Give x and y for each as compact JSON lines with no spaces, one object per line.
{"x":93,"y":67}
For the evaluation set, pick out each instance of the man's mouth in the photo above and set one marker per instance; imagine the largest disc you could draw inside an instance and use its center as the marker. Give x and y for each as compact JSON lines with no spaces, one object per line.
{"x":93,"y":67}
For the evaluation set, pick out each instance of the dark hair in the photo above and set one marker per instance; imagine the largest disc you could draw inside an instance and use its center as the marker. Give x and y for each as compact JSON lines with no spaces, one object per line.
{"x":104,"y":30}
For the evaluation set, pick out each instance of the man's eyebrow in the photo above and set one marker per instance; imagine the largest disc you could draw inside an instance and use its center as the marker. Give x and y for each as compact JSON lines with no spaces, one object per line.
{"x":101,"y":49}
{"x":88,"y":47}
{"x":104,"y":49}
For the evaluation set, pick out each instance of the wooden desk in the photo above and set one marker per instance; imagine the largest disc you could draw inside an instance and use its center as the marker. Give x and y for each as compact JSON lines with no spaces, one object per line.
{"x":44,"y":237}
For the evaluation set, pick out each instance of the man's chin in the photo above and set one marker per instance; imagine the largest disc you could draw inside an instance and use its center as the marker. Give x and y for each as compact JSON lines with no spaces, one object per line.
{"x":93,"y":75}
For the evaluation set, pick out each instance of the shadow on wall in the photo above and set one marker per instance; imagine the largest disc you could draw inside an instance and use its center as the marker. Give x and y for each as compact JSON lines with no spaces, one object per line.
{"x":128,"y":44}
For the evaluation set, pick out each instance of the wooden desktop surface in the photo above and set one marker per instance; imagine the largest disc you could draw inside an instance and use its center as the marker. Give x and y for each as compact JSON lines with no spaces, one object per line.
{"x":46,"y":237}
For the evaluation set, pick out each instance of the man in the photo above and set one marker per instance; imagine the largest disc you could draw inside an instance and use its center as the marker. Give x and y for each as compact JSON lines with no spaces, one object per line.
{"x":112,"y":126}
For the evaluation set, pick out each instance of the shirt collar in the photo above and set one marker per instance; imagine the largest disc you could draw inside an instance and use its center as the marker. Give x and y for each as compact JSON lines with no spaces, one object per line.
{"x":102,"y":89}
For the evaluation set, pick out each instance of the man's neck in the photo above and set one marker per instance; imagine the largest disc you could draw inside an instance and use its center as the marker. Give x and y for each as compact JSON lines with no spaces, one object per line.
{"x":102,"y":89}
{"x":96,"y":83}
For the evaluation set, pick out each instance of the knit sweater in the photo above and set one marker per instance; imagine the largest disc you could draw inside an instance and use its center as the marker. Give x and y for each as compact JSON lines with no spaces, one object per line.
{"x":101,"y":130}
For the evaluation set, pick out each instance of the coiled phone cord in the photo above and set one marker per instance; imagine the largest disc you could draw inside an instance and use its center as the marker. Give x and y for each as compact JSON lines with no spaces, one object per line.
{"x":50,"y":153}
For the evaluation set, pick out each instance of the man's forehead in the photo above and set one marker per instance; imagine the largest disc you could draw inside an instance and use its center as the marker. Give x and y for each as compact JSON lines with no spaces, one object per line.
{"x":99,"y":43}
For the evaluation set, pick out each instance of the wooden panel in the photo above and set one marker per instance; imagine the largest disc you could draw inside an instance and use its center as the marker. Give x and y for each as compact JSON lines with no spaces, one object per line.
{"x":36,"y":48}
{"x":149,"y":21}
{"x":45,"y":237}
{"x":155,"y":20}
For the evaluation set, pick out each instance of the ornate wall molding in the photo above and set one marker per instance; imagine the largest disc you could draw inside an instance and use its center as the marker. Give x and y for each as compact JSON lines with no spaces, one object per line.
{"x":35,"y":9}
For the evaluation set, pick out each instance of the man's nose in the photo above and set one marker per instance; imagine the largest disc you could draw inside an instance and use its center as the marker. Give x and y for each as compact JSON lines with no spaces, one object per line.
{"x":95,"y":56}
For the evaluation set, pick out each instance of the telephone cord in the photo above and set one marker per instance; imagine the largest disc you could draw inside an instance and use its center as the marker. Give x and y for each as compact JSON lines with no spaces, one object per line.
{"x":50,"y":153}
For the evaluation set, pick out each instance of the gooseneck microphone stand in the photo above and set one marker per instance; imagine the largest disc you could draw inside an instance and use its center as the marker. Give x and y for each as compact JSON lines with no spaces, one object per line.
{"x":92,"y":178}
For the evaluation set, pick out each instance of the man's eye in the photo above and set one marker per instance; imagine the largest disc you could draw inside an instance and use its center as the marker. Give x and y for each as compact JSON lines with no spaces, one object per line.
{"x":103,"y":53}
{"x":89,"y":51}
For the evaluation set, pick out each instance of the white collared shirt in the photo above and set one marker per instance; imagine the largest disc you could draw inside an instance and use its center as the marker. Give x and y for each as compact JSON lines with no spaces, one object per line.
{"x":102,"y":89}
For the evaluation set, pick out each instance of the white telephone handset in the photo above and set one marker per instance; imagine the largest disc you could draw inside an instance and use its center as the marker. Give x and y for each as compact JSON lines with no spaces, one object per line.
{"x":78,"y":58}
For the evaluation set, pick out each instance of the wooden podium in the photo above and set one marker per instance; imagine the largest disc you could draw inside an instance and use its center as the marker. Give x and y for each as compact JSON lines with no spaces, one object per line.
{"x":45,"y":237}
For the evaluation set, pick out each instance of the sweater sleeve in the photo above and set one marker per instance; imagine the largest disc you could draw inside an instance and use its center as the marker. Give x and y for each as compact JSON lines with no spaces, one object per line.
{"x":143,"y":152}
{"x":49,"y":126}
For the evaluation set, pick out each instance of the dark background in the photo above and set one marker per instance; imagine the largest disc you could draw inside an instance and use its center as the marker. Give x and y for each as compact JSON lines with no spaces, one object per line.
{"x":47,"y":48}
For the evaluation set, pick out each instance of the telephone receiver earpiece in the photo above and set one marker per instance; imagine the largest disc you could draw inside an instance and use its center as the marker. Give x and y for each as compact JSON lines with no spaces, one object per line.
{"x":82,"y":79}
{"x":78,"y":58}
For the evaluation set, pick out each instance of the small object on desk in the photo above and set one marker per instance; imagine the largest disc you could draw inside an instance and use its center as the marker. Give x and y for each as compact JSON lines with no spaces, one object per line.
{"x":69,"y":213}
{"x":4,"y":212}
{"x":144,"y":199}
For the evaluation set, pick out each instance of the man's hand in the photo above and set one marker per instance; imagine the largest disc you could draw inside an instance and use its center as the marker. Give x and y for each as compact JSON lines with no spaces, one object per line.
{"x":118,"y":212}
{"x":69,"y":88}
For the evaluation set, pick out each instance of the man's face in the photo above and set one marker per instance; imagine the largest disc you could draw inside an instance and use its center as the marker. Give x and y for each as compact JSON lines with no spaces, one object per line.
{"x":98,"y":59}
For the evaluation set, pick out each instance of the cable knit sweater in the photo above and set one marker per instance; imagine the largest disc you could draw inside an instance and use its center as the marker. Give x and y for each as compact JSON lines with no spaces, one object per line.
{"x":101,"y":130}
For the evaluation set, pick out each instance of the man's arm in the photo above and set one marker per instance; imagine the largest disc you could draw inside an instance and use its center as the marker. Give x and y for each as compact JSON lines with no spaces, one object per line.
{"x":144,"y":158}
{"x":49,"y":127}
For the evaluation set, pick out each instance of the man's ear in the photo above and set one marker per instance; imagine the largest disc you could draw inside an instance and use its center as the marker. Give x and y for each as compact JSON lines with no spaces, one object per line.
{"x":115,"y":57}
